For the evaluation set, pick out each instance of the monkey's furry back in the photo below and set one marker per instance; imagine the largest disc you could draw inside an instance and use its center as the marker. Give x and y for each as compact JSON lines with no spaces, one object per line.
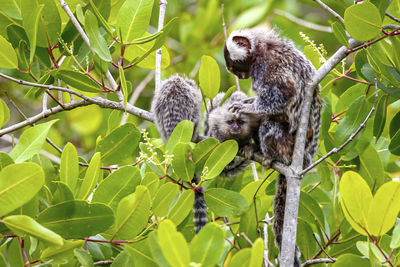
{"x":178,"y":99}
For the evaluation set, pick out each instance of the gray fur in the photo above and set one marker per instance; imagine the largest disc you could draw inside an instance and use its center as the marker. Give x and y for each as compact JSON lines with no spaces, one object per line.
{"x":178,"y":99}
{"x":280,"y":73}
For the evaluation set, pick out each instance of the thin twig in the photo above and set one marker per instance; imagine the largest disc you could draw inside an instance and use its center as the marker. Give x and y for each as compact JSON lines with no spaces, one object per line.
{"x":316,"y":261}
{"x":320,"y":246}
{"x":392,"y":17}
{"x":330,"y":10}
{"x":97,"y":263}
{"x":303,"y":22}
{"x":337,"y":149}
{"x":226,"y":37}
{"x":161,"y":15}
{"x":330,"y":241}
{"x":246,"y":238}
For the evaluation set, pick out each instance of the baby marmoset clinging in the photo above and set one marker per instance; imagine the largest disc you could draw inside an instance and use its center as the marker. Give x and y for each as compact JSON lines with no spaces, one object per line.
{"x":280,"y":73}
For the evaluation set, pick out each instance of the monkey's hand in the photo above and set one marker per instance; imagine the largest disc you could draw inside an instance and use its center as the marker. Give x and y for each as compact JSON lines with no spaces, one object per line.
{"x":242,"y":107}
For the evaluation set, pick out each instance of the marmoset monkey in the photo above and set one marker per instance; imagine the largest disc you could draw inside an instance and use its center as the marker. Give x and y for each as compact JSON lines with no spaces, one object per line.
{"x":280,"y":73}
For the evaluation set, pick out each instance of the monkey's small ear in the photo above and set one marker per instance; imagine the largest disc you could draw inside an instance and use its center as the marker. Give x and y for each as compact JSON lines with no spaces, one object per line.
{"x":242,"y":42}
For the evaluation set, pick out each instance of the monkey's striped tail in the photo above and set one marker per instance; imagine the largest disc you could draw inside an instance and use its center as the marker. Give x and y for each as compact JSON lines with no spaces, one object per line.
{"x":199,"y":210}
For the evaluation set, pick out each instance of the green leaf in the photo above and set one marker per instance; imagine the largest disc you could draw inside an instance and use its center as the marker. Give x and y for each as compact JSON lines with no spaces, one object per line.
{"x":380,"y":116}
{"x":209,"y":77}
{"x":141,"y":253}
{"x":19,"y":183}
{"x":350,"y":260}
{"x":257,"y":253}
{"x":340,"y":33}
{"x":22,"y":225}
{"x":103,"y":22}
{"x":31,"y":142}
{"x":122,"y":260}
{"x":394,"y":146}
{"x":181,"y":162}
{"x":91,"y":177}
{"x":78,"y":80}
{"x":10,"y":8}
{"x":182,"y":207}
{"x":69,"y":166}
{"x":119,"y":144}
{"x":77,"y":218}
{"x":8,"y":57}
{"x":395,"y":242}
{"x":31,"y":13}
{"x":97,"y":41}
{"x":371,"y":167}
{"x":61,"y":254}
{"x":182,"y":133}
{"x":114,"y":120}
{"x":133,"y":18}
{"x":394,"y":125}
{"x":146,"y":38}
{"x":4,"y":112}
{"x":83,"y":257}
{"x":124,"y":88}
{"x":164,"y":197}
{"x":384,"y":209}
{"x":203,"y":149}
{"x":116,"y":186}
{"x":242,"y":258}
{"x":305,"y":239}
{"x":227,"y":94}
{"x":310,"y":207}
{"x":363,"y":21}
{"x":152,"y":182}
{"x":355,"y":203}
{"x":207,"y":246}
{"x":173,"y":244}
{"x":5,"y":160}
{"x":350,"y":96}
{"x":220,"y":157}
{"x":225,"y":203}
{"x":63,"y":193}
{"x":132,"y":215}
{"x":144,"y":55}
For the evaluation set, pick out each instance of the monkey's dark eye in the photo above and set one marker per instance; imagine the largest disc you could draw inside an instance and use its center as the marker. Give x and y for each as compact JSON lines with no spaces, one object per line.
{"x":230,"y":122}
{"x":240,"y":122}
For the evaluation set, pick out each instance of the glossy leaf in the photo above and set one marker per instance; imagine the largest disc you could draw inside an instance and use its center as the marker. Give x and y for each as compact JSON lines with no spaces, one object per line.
{"x":203,"y":149}
{"x":31,"y":142}
{"x":363,"y":21}
{"x":91,"y":177}
{"x":310,"y":207}
{"x":164,"y":197}
{"x":173,"y":244}
{"x":222,"y":155}
{"x":208,"y":245}
{"x":380,"y":116}
{"x":69,"y":168}
{"x":19,"y":183}
{"x":140,"y":253}
{"x":4,"y":112}
{"x":100,"y":18}
{"x":31,"y":13}
{"x":144,"y":55}
{"x":182,"y":133}
{"x":257,"y":253}
{"x":25,"y":225}
{"x":97,"y":41}
{"x":116,"y":186}
{"x":5,"y":160}
{"x":355,"y":203}
{"x":209,"y":76}
{"x":371,"y":167}
{"x":119,"y":144}
{"x":132,"y":214}
{"x":225,"y":203}
{"x":181,"y":162}
{"x":394,"y":146}
{"x":395,"y":242}
{"x":61,"y":254}
{"x":182,"y":207}
{"x":340,"y":33}
{"x":394,"y":125}
{"x":122,"y":260}
{"x":384,"y":209}
{"x":8,"y":57}
{"x":78,"y":80}
{"x":77,"y":218}
{"x":349,"y":260}
{"x":242,"y":258}
{"x":152,"y":182}
{"x":133,"y":18}
{"x":83,"y":257}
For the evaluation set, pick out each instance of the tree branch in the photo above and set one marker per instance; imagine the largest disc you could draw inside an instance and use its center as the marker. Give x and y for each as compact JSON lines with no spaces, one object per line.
{"x":316,"y":261}
{"x":392,"y":17}
{"x":330,"y":10}
{"x":294,"y":179}
{"x":303,"y":22}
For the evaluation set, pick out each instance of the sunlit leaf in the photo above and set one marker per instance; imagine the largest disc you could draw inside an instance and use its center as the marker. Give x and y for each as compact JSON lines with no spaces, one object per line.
{"x":209,"y":76}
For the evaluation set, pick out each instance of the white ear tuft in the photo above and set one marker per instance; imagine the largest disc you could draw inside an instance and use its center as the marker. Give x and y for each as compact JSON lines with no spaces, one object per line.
{"x":237,"y":52}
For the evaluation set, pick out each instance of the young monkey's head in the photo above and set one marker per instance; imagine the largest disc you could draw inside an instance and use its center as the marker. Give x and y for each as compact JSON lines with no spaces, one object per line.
{"x":238,"y":53}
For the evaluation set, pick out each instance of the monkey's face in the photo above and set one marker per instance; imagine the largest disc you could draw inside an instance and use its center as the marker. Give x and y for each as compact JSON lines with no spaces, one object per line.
{"x":237,"y":127}
{"x":238,"y":57}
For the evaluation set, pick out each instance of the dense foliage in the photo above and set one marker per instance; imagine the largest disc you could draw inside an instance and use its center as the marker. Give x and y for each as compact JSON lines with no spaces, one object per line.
{"x":101,"y":191}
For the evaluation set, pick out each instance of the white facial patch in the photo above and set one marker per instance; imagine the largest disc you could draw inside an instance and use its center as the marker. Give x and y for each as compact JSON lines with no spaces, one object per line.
{"x":235,"y":51}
